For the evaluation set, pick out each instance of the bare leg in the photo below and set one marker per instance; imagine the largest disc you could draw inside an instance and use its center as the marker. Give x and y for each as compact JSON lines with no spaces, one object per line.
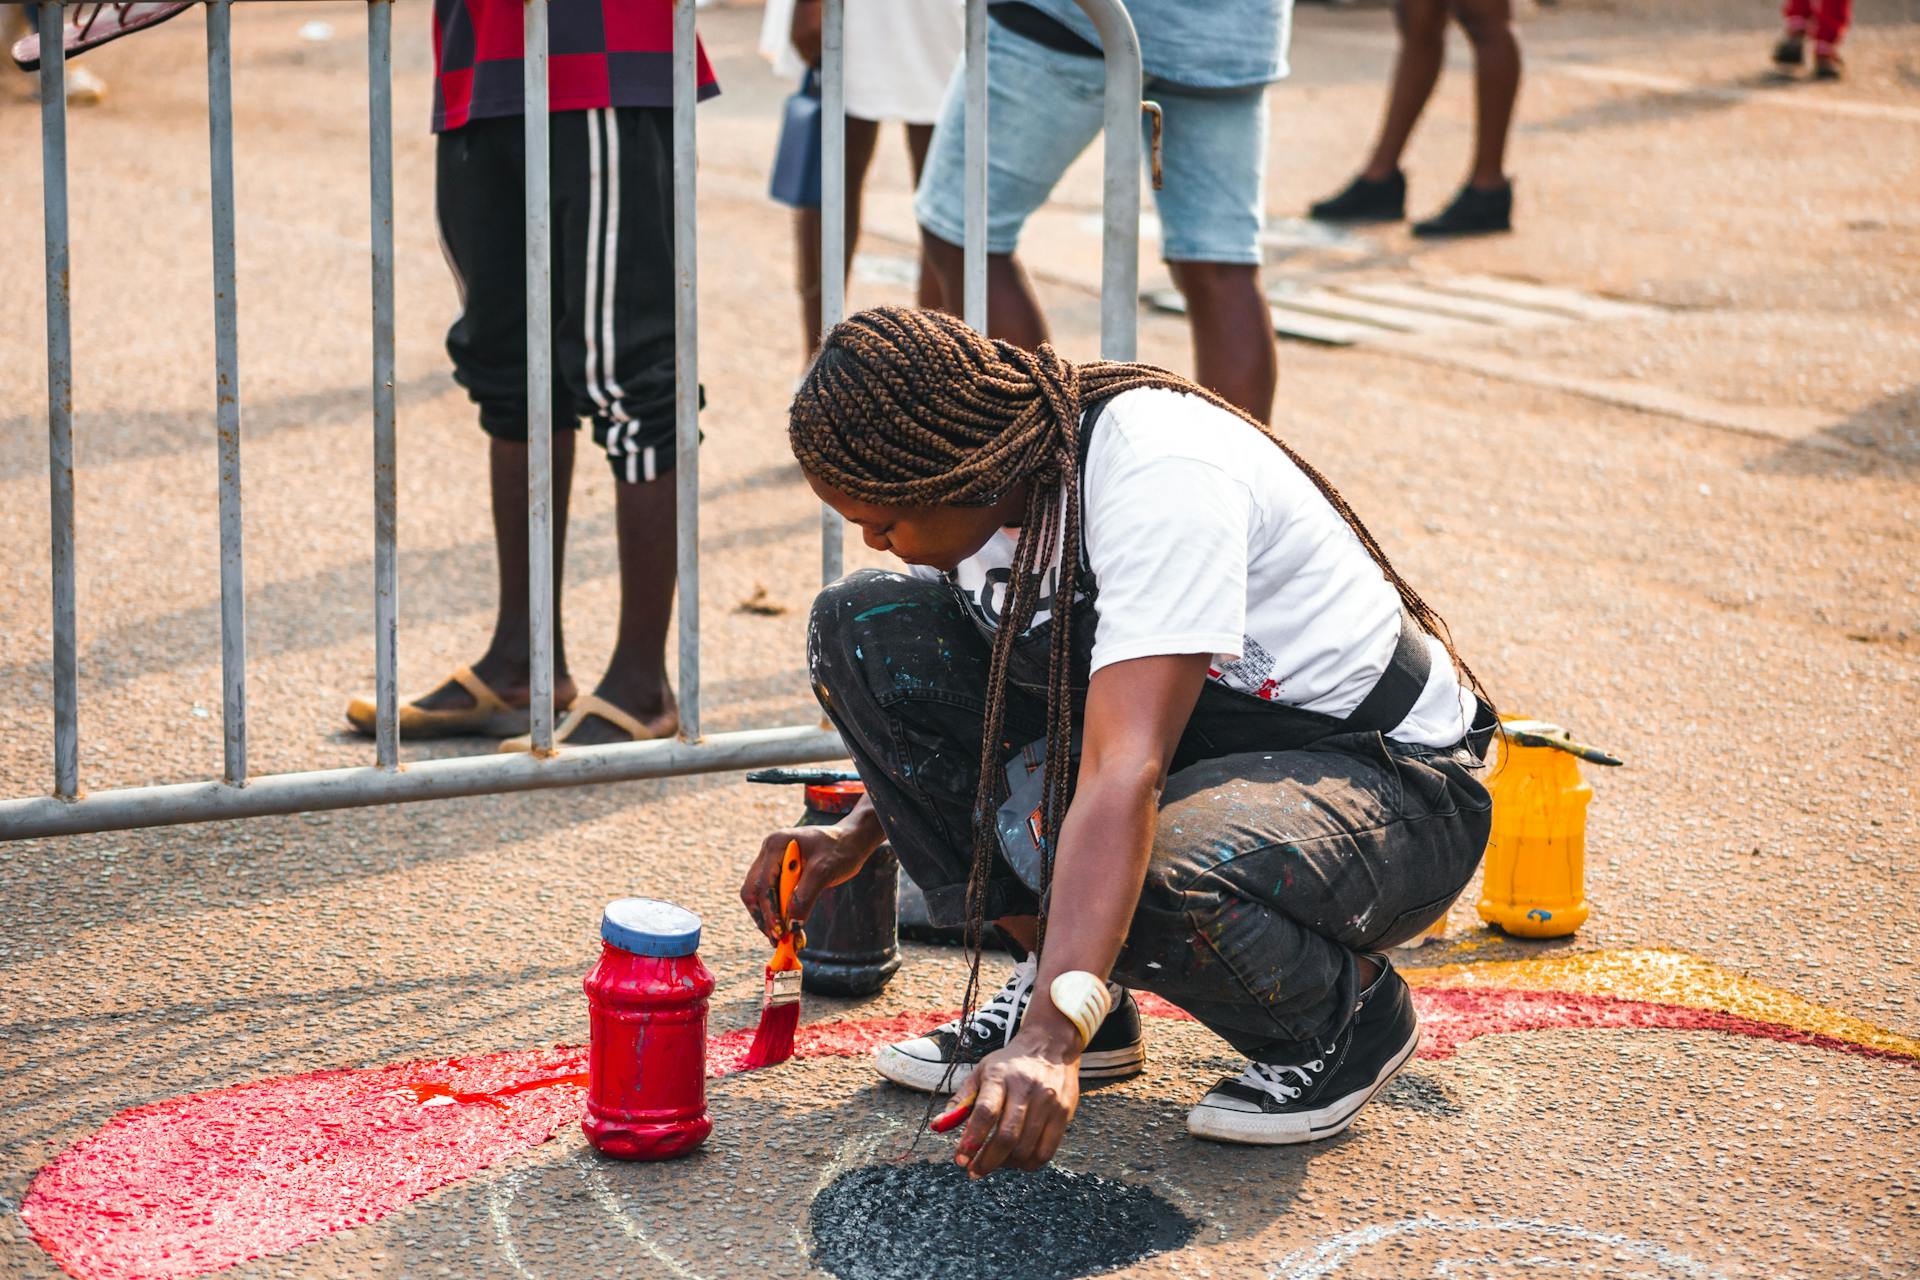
{"x":506,"y":667}
{"x":861,"y":137}
{"x":1423,"y":46}
{"x":1233,"y":348}
{"x":1496,"y":84}
{"x":919,"y":139}
{"x":1022,"y":929}
{"x":636,"y":676}
{"x":1013,"y":312}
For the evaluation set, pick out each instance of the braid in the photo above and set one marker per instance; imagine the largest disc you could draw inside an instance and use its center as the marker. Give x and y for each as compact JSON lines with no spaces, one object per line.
{"x":913,"y":408}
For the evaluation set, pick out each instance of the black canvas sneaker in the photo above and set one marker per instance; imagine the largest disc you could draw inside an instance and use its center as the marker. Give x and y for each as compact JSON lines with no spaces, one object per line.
{"x":1315,"y":1096}
{"x":1791,"y":51}
{"x":1474,"y":212}
{"x":1116,"y":1050}
{"x":1365,"y":200}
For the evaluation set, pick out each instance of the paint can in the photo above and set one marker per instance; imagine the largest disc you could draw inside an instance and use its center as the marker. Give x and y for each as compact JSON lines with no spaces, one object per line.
{"x":1534,"y":881}
{"x":853,"y":940}
{"x":647,"y":1062}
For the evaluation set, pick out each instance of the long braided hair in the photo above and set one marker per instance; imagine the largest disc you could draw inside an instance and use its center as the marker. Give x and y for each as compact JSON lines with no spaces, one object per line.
{"x":911,"y":408}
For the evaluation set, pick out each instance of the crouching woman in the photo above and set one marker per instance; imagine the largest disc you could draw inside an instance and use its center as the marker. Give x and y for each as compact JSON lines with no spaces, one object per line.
{"x":1149,"y":698}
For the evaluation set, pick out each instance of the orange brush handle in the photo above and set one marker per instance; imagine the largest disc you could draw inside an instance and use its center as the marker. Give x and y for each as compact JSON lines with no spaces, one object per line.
{"x":786,"y":953}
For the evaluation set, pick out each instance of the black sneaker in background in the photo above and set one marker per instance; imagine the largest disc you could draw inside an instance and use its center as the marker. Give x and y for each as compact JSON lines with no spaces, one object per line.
{"x":1365,"y":200}
{"x":1827,"y":66}
{"x":1790,"y":52}
{"x":1317,"y":1094}
{"x":1117,"y":1049}
{"x":1475,"y":211}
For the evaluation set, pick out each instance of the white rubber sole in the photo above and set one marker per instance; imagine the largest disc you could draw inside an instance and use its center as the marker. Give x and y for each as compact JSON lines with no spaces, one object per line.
{"x":1258,"y":1129}
{"x":927,"y":1077}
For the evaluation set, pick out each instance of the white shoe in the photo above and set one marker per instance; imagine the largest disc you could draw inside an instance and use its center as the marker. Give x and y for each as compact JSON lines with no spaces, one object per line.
{"x":928,"y":1062}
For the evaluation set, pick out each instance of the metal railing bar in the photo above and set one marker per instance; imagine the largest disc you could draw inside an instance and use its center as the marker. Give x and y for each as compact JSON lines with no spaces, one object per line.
{"x":833,"y":228}
{"x":280,"y":793}
{"x":53,"y":167}
{"x":686,"y":361}
{"x":539,"y":245}
{"x":68,"y":812}
{"x":386,"y":587}
{"x":1120,"y":246}
{"x":226,"y":346}
{"x":974,"y":251}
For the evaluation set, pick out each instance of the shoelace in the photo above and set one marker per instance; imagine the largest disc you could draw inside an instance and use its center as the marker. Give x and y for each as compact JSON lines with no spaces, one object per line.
{"x":1267,"y":1077}
{"x":1000,"y":1013}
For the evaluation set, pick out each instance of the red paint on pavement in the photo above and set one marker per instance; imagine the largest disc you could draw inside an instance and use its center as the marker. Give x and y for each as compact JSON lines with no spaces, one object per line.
{"x":727,"y":1053}
{"x":197,"y":1183}
{"x":1449,"y":1017}
{"x":1153,"y":1006}
{"x":201,"y":1182}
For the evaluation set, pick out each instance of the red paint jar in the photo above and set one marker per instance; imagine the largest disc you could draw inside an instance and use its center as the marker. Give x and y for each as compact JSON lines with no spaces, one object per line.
{"x":647,"y":1065}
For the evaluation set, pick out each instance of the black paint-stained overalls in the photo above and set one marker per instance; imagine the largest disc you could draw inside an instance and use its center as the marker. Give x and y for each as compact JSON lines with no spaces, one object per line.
{"x":1287,"y":840}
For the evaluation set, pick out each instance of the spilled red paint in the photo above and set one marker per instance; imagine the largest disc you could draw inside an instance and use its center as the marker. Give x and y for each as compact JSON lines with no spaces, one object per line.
{"x":727,"y":1053}
{"x":427,"y":1091}
{"x":201,"y":1182}
{"x":197,"y":1183}
{"x":1153,"y":1006}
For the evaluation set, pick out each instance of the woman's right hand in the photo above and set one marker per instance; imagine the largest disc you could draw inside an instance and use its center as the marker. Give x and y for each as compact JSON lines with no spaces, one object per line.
{"x":827,"y":857}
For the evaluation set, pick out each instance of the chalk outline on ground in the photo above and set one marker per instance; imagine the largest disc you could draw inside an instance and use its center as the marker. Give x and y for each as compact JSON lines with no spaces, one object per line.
{"x":500,"y":1200}
{"x":1326,"y":1258}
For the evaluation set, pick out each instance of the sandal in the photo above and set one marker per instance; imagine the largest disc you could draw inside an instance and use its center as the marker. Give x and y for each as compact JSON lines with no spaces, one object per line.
{"x":490,"y":715}
{"x":592,"y":704}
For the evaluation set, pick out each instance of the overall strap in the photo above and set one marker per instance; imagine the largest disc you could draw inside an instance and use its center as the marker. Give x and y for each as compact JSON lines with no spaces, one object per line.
{"x":1393,"y":696}
{"x":1090,"y":413}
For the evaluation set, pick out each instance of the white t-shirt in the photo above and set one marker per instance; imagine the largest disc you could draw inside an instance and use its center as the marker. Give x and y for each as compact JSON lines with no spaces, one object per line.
{"x":899,"y":54}
{"x":1205,"y":538}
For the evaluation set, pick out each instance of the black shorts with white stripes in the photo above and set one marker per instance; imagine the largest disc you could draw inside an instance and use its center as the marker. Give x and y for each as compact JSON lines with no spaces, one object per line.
{"x":612,"y":194}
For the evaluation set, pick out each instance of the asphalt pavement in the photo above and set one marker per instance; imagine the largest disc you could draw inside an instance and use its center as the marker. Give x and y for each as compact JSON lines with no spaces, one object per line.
{"x":1686,"y":529}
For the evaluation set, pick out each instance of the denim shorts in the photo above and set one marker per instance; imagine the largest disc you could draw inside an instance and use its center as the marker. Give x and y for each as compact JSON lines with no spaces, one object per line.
{"x":1043,"y":109}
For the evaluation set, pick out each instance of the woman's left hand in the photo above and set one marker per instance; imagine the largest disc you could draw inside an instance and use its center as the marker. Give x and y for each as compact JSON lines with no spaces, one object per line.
{"x":804,"y":31}
{"x":1024,"y":1096}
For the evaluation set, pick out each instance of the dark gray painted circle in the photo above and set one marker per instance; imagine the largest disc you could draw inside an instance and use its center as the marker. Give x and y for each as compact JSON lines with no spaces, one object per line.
{"x":910,"y":1221}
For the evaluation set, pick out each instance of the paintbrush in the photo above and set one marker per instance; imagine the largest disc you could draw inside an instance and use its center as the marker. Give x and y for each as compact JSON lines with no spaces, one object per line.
{"x":780,"y":1011}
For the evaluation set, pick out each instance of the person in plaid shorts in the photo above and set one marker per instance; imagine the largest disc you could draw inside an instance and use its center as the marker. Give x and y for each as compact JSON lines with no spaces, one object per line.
{"x":610,"y":94}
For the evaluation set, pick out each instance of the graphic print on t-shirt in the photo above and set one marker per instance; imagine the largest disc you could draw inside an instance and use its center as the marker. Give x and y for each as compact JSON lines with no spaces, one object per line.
{"x":1251,"y":672}
{"x":983,"y":577}
{"x":988,"y":597}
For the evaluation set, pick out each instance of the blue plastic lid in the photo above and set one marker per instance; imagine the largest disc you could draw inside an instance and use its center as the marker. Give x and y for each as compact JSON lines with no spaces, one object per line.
{"x":650,"y":927}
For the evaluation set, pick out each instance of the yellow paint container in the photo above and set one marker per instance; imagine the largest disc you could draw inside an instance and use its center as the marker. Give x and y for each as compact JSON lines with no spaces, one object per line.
{"x":1534,"y":882}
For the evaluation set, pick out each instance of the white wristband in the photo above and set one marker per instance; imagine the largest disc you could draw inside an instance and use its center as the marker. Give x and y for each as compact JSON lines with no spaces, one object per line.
{"x":1083,"y":999}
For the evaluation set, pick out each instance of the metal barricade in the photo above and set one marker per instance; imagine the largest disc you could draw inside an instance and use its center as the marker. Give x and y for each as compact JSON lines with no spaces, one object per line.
{"x":71,"y":810}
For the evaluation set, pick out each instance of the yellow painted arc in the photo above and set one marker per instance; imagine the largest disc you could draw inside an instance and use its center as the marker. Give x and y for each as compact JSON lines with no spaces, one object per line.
{"x":1664,"y":976}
